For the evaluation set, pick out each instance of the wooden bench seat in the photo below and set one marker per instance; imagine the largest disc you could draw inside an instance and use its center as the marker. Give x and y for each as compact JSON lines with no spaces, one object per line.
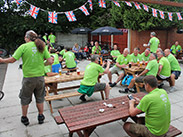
{"x":173,"y":131}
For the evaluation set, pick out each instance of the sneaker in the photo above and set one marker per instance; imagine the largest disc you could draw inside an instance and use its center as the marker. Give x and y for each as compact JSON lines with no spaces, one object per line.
{"x":110,"y":83}
{"x":132,"y":90}
{"x":160,"y":85}
{"x":40,"y":118}
{"x":25,"y":120}
{"x":113,"y":84}
{"x":82,"y":98}
{"x":172,"y":89}
{"x":124,"y":91}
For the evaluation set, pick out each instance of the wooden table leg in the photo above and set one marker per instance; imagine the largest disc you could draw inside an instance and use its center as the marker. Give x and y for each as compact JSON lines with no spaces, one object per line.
{"x":102,"y":95}
{"x":70,"y":134}
{"x":51,"y":109}
{"x":87,"y":132}
{"x":80,"y":134}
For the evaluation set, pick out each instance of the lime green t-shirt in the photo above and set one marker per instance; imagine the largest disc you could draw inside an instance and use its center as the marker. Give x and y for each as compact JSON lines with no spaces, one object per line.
{"x":175,"y":48}
{"x":56,"y":60}
{"x":52,"y":38}
{"x":154,"y":43}
{"x":33,"y":60}
{"x":97,"y":51}
{"x":62,"y":52}
{"x":166,"y":70}
{"x":156,"y":106}
{"x":115,"y":53}
{"x":45,"y":38}
{"x":173,"y":63}
{"x":144,"y":57}
{"x":69,"y":57}
{"x":153,"y":67}
{"x":123,"y":60}
{"x":47,"y":69}
{"x":91,"y":74}
{"x":134,"y":58}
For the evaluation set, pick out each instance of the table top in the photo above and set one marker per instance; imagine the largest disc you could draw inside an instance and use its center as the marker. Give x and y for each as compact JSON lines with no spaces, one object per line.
{"x":64,"y":78}
{"x":87,"y":115}
{"x":134,"y":69}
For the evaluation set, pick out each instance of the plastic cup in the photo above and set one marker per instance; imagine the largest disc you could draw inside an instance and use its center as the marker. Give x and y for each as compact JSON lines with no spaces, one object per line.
{"x":130,"y":65}
{"x":145,"y":63}
{"x":60,"y":73}
{"x":78,"y":72}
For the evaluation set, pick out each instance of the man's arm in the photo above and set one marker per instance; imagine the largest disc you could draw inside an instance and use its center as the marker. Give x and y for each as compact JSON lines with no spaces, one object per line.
{"x":7,"y":60}
{"x":107,"y":68}
{"x":120,"y":66}
{"x":132,"y":110}
{"x":160,"y":68}
{"x":143,"y":73}
{"x":49,"y":61}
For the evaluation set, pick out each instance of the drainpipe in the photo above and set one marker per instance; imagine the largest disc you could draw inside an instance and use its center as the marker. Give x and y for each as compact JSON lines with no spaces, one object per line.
{"x":129,"y":39}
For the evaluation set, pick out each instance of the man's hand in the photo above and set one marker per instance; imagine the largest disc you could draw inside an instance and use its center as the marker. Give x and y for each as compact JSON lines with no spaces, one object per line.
{"x":132,"y":102}
{"x":1,"y":60}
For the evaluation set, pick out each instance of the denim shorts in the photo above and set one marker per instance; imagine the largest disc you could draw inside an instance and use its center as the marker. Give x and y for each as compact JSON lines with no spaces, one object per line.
{"x":176,"y":73}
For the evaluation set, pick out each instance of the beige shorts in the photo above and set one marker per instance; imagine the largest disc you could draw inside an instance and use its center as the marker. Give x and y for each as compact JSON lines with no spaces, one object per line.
{"x":115,"y":69}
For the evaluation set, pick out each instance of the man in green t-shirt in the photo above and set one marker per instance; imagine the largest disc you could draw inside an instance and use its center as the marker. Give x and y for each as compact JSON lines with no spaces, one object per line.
{"x":135,"y":57}
{"x":176,"y":48}
{"x":33,"y":53}
{"x":145,"y":55}
{"x":96,"y":49}
{"x":154,"y":42}
{"x":157,"y":109}
{"x":164,"y":71}
{"x":151,"y":69}
{"x":52,"y":39}
{"x":115,"y":52}
{"x":175,"y":69}
{"x":89,"y":83}
{"x":70,"y":59}
{"x":56,"y":64}
{"x":121,"y":62}
{"x":45,"y":38}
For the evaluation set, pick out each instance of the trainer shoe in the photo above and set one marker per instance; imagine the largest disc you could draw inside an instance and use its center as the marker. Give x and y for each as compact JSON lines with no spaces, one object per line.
{"x":82,"y":98}
{"x":40,"y":118}
{"x":126,"y":90}
{"x":132,"y":90}
{"x":113,"y":84}
{"x":25,"y":120}
{"x":172,"y":89}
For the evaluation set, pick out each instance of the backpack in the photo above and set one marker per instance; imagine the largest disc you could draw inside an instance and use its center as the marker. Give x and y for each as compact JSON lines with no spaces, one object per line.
{"x":127,"y":79}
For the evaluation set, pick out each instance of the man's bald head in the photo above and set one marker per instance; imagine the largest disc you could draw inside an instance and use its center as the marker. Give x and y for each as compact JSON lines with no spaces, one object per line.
{"x":167,"y":52}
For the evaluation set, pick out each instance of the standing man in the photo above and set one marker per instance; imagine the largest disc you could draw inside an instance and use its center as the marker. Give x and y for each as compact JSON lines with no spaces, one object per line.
{"x":176,"y":48}
{"x":89,"y":83}
{"x":115,"y":52}
{"x":45,"y":38}
{"x":156,"y":106}
{"x":153,"y":42}
{"x":52,"y":39}
{"x":175,"y":69}
{"x":33,"y":53}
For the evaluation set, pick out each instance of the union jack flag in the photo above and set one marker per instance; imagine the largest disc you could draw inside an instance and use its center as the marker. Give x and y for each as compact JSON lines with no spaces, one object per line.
{"x":90,"y":3}
{"x":33,"y":11}
{"x":52,"y":17}
{"x":84,"y":10}
{"x":137,"y":6}
{"x":102,"y":3}
{"x":154,"y":12}
{"x":179,"y":16}
{"x":70,"y":15}
{"x":162,"y":15}
{"x":170,"y":16}
{"x":146,"y":8}
{"x":128,"y":3}
{"x":18,"y":1}
{"x":116,"y":3}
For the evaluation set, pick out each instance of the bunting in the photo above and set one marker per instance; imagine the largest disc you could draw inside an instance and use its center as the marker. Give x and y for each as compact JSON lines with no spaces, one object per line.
{"x":52,"y":17}
{"x":33,"y":11}
{"x":154,"y":12}
{"x":162,"y":15}
{"x":145,"y":7}
{"x":90,"y":4}
{"x":70,"y":16}
{"x":116,"y":3}
{"x":137,"y":6}
{"x":170,"y":16}
{"x":84,"y":10}
{"x":102,"y":3}
{"x":128,"y":3}
{"x":179,"y":16}
{"x":18,"y":2}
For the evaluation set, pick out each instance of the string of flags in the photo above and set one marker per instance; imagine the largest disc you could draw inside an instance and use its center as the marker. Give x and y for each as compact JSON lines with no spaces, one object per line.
{"x":53,"y":16}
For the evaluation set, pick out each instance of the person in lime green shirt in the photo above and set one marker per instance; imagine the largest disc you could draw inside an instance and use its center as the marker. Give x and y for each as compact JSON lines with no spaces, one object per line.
{"x":151,"y":69}
{"x":121,"y":62}
{"x":145,"y":55}
{"x":45,"y":38}
{"x":157,"y":109}
{"x":52,"y":39}
{"x":115,"y":53}
{"x":56,"y":64}
{"x":96,"y":49}
{"x":135,"y":57}
{"x":62,"y":52}
{"x":70,"y":59}
{"x":154,"y":42}
{"x":89,"y":83}
{"x":33,"y":53}
{"x":175,"y":69}
{"x":164,"y":71}
{"x":176,"y":48}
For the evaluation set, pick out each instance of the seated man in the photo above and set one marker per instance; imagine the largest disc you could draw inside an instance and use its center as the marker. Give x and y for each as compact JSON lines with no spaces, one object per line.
{"x":151,"y":69}
{"x":164,"y":71}
{"x":96,"y":49}
{"x":145,"y":55}
{"x":77,"y":51}
{"x":121,"y":63}
{"x":175,"y":69}
{"x":70,"y":59}
{"x":115,"y":52}
{"x":89,"y":83}
{"x":48,"y":70}
{"x":156,"y":106}
{"x":176,"y":48}
{"x":135,"y":57}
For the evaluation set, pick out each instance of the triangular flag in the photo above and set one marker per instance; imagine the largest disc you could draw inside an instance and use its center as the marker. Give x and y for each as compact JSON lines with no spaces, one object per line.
{"x":52,"y":17}
{"x":170,"y":16}
{"x":116,"y":3}
{"x":90,"y":3}
{"x":137,"y":6}
{"x":18,"y":2}
{"x":162,"y":15}
{"x":154,"y":12}
{"x":128,"y":3}
{"x":33,"y":11}
{"x":102,"y":3}
{"x":146,"y":8}
{"x":179,"y":16}
{"x":84,"y":10}
{"x":70,"y":15}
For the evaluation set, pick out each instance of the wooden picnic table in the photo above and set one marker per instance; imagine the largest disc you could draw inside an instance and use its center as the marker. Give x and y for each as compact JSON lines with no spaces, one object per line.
{"x":134,"y":69}
{"x":86,"y":117}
